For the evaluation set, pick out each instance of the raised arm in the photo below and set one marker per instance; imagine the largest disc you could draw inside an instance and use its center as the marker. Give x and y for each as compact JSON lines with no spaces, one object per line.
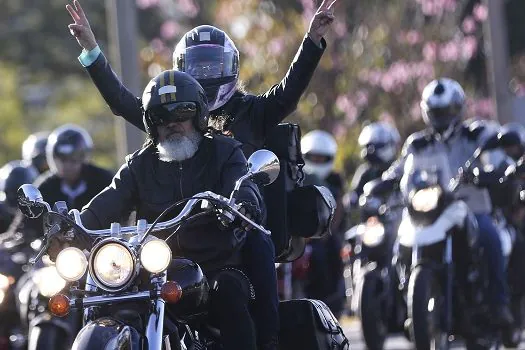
{"x":282,"y":99}
{"x":121,"y":101}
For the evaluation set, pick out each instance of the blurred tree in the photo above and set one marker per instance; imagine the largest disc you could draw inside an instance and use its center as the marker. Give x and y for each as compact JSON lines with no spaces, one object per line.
{"x":380,"y":55}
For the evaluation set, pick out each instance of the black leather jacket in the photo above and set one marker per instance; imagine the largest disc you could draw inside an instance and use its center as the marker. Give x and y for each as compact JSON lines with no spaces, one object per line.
{"x":250,"y":117}
{"x":50,"y":185}
{"x":148,"y":185}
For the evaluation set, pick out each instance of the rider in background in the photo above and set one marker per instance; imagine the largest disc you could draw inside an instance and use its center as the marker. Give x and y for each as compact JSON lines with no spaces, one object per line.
{"x":443,"y":106}
{"x":34,"y":151}
{"x":379,"y":143}
{"x":72,"y":177}
{"x":323,"y":278}
{"x":12,"y":175}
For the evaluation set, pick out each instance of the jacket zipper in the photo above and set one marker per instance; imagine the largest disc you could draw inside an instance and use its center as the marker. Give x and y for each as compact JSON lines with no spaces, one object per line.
{"x":180,"y":181}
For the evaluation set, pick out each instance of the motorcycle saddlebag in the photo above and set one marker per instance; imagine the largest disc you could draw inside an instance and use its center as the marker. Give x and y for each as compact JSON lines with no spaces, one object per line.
{"x":311,"y":210}
{"x":285,"y":141}
{"x":309,"y":324}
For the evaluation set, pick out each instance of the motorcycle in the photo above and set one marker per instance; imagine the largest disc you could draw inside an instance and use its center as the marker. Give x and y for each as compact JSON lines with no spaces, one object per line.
{"x":44,"y":330}
{"x":376,"y":298}
{"x":444,"y":297}
{"x":126,"y":286}
{"x":14,"y":257}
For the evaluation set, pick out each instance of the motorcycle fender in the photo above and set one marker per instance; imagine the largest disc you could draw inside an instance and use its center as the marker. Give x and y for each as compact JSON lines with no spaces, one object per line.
{"x":411,"y":235}
{"x":46,"y":318}
{"x":107,"y":333}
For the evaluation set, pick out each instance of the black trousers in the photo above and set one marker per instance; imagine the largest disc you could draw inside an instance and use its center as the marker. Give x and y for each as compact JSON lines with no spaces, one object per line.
{"x":229,"y":309}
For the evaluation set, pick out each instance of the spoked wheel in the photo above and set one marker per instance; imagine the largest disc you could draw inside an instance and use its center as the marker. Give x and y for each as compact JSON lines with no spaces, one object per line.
{"x":424,"y":306}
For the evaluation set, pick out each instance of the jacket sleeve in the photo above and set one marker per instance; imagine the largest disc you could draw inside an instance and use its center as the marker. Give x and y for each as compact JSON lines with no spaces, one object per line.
{"x":282,"y":99}
{"x":121,"y":101}
{"x":114,"y":202}
{"x":233,"y":169}
{"x":396,"y":170}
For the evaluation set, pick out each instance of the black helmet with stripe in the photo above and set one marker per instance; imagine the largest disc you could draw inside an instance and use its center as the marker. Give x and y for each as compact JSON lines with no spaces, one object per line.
{"x":174,"y":96}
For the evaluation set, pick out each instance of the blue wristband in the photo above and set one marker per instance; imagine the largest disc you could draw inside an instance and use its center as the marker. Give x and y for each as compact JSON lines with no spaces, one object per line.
{"x":87,"y":58}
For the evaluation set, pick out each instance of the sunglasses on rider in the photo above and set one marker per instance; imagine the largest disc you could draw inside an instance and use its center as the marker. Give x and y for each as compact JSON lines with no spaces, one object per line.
{"x":176,"y":112}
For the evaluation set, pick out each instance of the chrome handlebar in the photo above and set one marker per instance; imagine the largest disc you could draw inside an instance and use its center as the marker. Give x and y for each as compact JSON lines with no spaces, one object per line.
{"x":184,"y":214}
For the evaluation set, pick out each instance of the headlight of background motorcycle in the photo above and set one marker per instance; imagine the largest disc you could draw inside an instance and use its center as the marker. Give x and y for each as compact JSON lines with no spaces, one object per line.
{"x":113,"y":265}
{"x":373,"y":233}
{"x":71,"y":264}
{"x":5,"y":282}
{"x":155,"y":256}
{"x":48,"y":281}
{"x":426,"y":199}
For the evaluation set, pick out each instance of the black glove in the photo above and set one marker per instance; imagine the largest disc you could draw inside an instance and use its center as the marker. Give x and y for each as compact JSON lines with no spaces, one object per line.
{"x":252,"y":212}
{"x":465,"y":176}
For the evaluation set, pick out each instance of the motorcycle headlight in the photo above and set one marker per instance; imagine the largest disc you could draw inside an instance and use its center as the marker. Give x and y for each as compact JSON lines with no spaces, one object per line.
{"x":48,"y":281}
{"x":426,"y":199}
{"x":113,"y":265}
{"x":71,"y":264}
{"x":373,"y":232}
{"x":5,"y":282}
{"x":155,"y":256}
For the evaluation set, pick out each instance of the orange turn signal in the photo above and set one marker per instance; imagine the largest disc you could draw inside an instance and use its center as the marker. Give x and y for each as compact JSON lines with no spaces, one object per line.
{"x":171,"y":292}
{"x":59,"y":305}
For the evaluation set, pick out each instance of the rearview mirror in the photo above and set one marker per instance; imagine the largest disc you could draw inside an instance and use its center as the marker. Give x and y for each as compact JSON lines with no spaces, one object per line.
{"x":30,"y":201}
{"x":263,"y":167}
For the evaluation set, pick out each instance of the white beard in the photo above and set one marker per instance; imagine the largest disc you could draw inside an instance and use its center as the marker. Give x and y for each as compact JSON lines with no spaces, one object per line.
{"x":177,"y":147}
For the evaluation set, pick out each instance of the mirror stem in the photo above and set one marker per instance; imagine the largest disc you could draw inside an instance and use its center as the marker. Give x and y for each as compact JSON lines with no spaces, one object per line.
{"x":238,"y":184}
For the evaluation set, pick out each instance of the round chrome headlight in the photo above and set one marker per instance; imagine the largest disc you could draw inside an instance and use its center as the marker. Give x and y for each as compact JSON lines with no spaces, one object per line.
{"x":48,"y":281}
{"x":112,"y":265}
{"x":373,"y":232}
{"x":426,"y":199}
{"x":71,"y":264}
{"x":155,"y":256}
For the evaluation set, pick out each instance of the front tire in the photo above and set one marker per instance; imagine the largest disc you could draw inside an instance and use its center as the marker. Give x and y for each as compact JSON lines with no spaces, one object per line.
{"x":424,"y":303}
{"x":371,"y":313}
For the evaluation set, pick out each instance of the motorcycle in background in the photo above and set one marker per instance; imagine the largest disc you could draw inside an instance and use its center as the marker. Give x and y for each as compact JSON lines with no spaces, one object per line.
{"x":376,"y":297}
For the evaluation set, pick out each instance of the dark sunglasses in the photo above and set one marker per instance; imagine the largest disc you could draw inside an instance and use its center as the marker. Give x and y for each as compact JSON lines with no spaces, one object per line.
{"x":172,"y":113}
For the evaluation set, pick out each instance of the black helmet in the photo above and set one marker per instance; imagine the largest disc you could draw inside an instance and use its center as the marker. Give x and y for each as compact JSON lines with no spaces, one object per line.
{"x":210,"y":56}
{"x":68,"y":140}
{"x":174,"y":96}
{"x":442,"y":104}
{"x":34,"y":150}
{"x":13,"y":175}
{"x":512,"y":135}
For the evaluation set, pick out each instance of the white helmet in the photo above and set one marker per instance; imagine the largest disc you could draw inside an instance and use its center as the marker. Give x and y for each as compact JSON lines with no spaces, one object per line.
{"x":442,"y":104}
{"x":318,"y":143}
{"x":379,"y":142}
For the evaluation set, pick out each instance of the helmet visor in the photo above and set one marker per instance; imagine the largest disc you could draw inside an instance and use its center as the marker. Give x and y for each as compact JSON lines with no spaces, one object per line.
{"x":173,"y":113}
{"x":209,"y":61}
{"x":442,"y":117}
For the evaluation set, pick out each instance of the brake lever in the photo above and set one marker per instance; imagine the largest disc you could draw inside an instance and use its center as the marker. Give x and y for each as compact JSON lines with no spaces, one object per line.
{"x":42,"y":251}
{"x":52,"y":231}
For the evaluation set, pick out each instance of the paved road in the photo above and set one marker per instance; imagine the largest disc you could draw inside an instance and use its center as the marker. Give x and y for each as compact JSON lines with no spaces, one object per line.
{"x":353,"y":332}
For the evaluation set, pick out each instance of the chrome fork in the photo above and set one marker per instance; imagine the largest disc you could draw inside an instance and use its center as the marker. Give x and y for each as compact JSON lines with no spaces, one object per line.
{"x":155,"y":324}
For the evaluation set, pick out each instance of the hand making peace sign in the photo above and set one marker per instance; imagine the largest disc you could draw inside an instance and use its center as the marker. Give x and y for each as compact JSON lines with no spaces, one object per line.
{"x":81,"y":29}
{"x":322,"y":20}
